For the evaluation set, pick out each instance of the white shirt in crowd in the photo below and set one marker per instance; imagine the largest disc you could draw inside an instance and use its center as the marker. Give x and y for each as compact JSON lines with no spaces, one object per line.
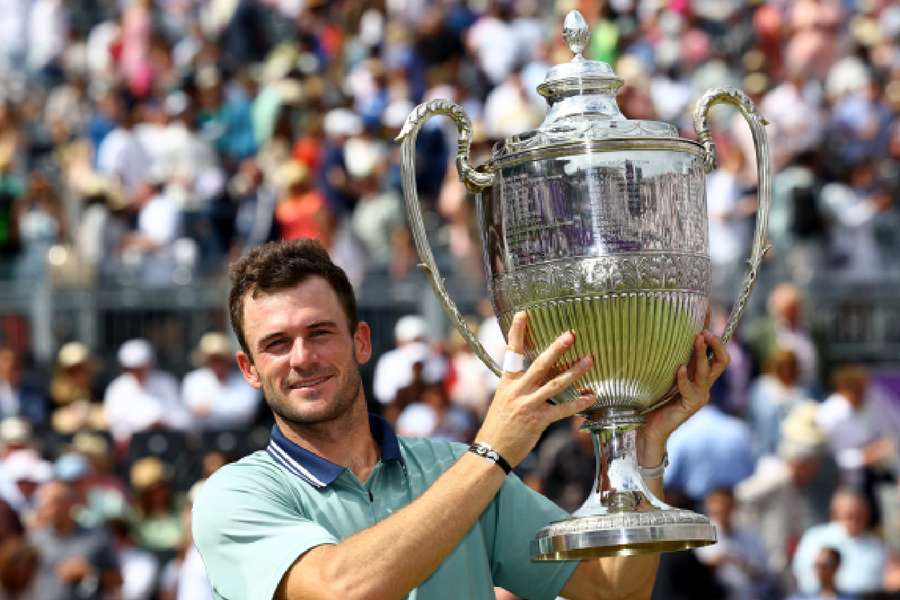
{"x":139,"y":571}
{"x":121,"y":156}
{"x":394,"y":369}
{"x":216,"y":404}
{"x":849,"y":430}
{"x":131,"y":407}
{"x":740,"y":574}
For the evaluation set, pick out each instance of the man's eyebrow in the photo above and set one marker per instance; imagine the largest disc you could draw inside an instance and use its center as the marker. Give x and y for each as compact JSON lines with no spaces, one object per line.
{"x":265,"y":340}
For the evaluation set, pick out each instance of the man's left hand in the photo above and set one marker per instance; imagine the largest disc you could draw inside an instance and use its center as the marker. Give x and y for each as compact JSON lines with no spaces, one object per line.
{"x":694,"y":381}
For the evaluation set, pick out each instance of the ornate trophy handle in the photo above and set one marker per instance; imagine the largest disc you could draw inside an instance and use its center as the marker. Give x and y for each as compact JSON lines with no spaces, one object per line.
{"x":764,"y":190}
{"x":474,"y":181}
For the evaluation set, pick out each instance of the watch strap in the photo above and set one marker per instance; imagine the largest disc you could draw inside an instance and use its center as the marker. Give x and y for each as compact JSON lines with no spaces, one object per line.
{"x":485,"y":451}
{"x":657,"y":471}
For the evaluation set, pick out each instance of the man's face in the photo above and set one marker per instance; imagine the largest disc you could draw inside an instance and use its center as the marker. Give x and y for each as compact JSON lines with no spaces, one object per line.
{"x":851,"y":512}
{"x":719,"y":507}
{"x":304,"y":357}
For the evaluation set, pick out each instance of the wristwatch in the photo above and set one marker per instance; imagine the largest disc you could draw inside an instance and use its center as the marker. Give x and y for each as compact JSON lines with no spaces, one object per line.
{"x":485,"y":451}
{"x":657,"y":471}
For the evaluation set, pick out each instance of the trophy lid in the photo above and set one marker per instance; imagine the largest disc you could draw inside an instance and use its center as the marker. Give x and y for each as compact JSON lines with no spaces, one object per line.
{"x":582,"y":98}
{"x":580,"y":76}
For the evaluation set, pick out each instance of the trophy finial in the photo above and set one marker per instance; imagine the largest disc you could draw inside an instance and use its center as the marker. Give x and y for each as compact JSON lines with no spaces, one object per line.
{"x":576,"y":32}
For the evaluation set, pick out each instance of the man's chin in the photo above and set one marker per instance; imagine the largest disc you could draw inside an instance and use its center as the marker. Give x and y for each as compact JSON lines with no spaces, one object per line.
{"x":308,"y":412}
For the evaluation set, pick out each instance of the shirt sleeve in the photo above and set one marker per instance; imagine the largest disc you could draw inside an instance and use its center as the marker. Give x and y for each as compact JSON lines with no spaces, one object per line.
{"x":518,"y":512}
{"x":249,"y":532}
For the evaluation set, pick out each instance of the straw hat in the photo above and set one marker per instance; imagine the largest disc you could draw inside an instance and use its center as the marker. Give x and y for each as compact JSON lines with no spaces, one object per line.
{"x":214,"y":343}
{"x":71,"y":354}
{"x":147,"y":472}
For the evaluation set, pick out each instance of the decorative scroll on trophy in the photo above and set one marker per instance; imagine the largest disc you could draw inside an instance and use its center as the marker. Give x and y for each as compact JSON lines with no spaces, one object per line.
{"x":597,"y":223}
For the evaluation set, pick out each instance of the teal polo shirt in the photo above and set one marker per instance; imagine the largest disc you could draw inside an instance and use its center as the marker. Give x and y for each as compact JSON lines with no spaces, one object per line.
{"x":253,"y":518}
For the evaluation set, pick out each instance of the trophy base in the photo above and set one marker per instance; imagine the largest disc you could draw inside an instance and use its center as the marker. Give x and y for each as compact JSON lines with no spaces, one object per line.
{"x":621,"y":516}
{"x":622,"y":534}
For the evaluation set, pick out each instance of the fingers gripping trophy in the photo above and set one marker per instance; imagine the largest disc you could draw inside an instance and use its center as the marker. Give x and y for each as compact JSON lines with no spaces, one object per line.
{"x":597,"y":224}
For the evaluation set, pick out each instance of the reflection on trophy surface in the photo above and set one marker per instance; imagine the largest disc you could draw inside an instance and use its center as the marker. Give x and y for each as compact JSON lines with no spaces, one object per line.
{"x":597,"y":223}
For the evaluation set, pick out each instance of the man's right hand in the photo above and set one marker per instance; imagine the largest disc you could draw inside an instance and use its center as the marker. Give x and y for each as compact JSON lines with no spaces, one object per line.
{"x":519,"y":412}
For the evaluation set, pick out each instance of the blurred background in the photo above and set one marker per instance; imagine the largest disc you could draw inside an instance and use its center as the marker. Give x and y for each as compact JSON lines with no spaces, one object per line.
{"x":145,"y":144}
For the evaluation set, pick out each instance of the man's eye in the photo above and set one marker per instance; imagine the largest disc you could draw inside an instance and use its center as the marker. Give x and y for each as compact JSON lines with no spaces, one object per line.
{"x":276,"y":345}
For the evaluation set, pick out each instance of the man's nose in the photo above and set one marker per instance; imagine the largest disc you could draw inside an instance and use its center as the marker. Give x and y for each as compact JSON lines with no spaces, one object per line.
{"x":302,"y":353}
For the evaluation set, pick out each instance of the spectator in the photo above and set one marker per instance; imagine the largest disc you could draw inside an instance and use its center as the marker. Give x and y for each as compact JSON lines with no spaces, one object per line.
{"x":27,"y":471}
{"x":790,"y":491}
{"x":185,"y":575}
{"x":17,"y":396}
{"x":216,"y":393}
{"x":142,"y":397}
{"x":784,"y":327}
{"x":394,"y":370}
{"x":711,"y":450}
{"x":377,"y":215}
{"x":862,"y":424}
{"x":120,"y":155}
{"x":40,"y":226}
{"x":300,"y":204}
{"x":102,"y":492}
{"x":738,"y":556}
{"x":828,"y":561}
{"x":151,"y":248}
{"x":75,"y":562}
{"x":16,"y":433}
{"x":156,"y":525}
{"x":140,"y":569}
{"x":772,"y":396}
{"x":863,"y":553}
{"x":73,"y":389}
{"x":19,"y":562}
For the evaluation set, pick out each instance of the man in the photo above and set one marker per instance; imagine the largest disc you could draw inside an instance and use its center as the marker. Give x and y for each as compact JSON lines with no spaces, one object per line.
{"x":339,"y":507}
{"x":864,"y":553}
{"x":216,"y":394}
{"x":142,"y":397}
{"x":713,"y":450}
{"x":75,"y":562}
{"x":738,"y":556}
{"x":828,"y":561}
{"x":18,"y":397}
{"x":861,"y":424}
{"x":790,"y":491}
{"x":394,"y":370}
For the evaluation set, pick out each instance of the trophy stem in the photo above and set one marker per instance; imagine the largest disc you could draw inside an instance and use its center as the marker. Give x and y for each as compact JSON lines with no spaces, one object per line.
{"x":618,"y":485}
{"x":621,"y":516}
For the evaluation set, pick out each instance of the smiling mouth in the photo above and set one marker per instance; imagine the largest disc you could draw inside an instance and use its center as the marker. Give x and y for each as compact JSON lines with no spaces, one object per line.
{"x":309,"y":383}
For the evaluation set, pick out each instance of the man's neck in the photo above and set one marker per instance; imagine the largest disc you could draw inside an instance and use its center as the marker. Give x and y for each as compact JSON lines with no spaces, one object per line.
{"x":346,"y":441}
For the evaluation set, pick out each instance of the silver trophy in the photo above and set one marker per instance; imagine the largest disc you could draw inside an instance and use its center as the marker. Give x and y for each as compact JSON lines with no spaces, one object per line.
{"x":597,"y":223}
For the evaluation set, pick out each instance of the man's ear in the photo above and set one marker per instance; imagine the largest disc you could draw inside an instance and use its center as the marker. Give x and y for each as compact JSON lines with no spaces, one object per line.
{"x":248,"y":370}
{"x":362,"y":343}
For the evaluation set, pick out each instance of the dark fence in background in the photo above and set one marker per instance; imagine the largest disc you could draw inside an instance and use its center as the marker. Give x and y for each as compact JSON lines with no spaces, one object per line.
{"x":853,"y":321}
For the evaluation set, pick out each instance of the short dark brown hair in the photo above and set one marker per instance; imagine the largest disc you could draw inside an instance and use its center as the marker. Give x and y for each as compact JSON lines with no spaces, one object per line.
{"x":278,"y":266}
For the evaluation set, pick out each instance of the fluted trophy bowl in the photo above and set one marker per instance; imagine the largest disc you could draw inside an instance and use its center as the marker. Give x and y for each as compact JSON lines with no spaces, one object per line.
{"x":597,"y":223}
{"x":612,"y":244}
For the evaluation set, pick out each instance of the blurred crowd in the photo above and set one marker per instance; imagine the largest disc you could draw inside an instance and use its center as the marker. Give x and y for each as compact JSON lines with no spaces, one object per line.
{"x":148,"y":142}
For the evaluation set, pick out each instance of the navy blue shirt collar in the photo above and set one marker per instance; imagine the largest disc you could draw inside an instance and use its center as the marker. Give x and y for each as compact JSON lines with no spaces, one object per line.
{"x":319,"y":471}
